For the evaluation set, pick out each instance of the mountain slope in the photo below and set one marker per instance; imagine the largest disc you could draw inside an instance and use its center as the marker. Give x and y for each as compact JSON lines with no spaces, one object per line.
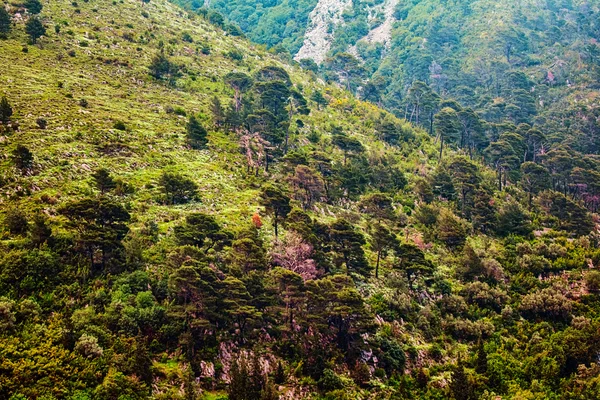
{"x":463,"y":52}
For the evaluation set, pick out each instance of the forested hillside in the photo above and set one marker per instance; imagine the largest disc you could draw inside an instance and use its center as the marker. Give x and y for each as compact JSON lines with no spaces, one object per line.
{"x":186,"y":215}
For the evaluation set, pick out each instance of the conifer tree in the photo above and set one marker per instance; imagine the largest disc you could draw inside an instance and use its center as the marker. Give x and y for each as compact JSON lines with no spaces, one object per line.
{"x":33,"y":6}
{"x":347,"y":144}
{"x":218,"y":112}
{"x":481,"y":362}
{"x":382,"y":240}
{"x":280,"y":374}
{"x":196,"y":134}
{"x":178,"y":189}
{"x":447,"y":126}
{"x":41,"y":233}
{"x":239,"y":380}
{"x":347,"y":242}
{"x":459,"y":385}
{"x":277,"y":204}
{"x":103,"y":181}
{"x":22,"y":158}
{"x":6,"y":110}
{"x":5,"y":22}
{"x":35,"y":29}
{"x":318,"y":98}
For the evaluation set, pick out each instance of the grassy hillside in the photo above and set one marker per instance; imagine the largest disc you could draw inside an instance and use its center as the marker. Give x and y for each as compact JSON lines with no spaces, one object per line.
{"x":91,"y":59}
{"x":312,"y":245}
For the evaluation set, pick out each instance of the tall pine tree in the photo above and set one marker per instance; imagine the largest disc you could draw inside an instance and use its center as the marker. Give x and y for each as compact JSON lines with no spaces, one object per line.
{"x":196,"y":134}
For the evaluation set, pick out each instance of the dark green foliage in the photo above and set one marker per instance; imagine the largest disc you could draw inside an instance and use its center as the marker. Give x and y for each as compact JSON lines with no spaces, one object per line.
{"x":460,"y":387}
{"x":41,"y":123}
{"x":5,"y":22}
{"x":35,"y":29}
{"x":481,"y":360}
{"x":16,"y":222}
{"x":203,"y":231}
{"x":489,"y":253}
{"x":120,"y":126}
{"x":279,"y":374}
{"x":382,"y":240}
{"x":347,"y":242}
{"x":41,"y":232}
{"x":447,"y":127}
{"x":571,"y":216}
{"x":378,"y":206}
{"x":22,"y":158}
{"x":413,"y":262}
{"x":513,"y":220}
{"x":196,"y":134}
{"x":318,"y":98}
{"x":103,"y":181}
{"x":177,"y":188}
{"x":348,"y":145}
{"x":392,"y":356}
{"x":6,"y":110}
{"x":161,"y":67}
{"x":534,"y":179}
{"x":248,"y":252}
{"x":33,"y":6}
{"x":277,"y":204}
{"x":102,"y":225}
{"x":329,"y":381}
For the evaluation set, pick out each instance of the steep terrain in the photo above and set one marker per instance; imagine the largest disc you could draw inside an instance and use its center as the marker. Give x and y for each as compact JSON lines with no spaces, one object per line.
{"x":186,"y":215}
{"x":318,"y":36}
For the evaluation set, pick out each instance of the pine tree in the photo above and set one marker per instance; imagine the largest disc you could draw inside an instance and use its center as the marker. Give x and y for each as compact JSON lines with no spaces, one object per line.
{"x":318,"y":98}
{"x":447,"y":126}
{"x":5,"y":22}
{"x":103,"y":181}
{"x":481,"y":362}
{"x":40,"y":231}
{"x":378,"y":206}
{"x":218,"y":112}
{"x":33,"y":6}
{"x":459,"y":385}
{"x":189,"y":384}
{"x":276,"y":203}
{"x":6,"y":110}
{"x":239,"y":380}
{"x":347,"y":145}
{"x":347,"y":242}
{"x":178,"y":189}
{"x":22,"y":158}
{"x":35,"y":29}
{"x":269,"y":392}
{"x":257,"y":379}
{"x":196,"y":134}
{"x":382,"y":239}
{"x":16,"y":222}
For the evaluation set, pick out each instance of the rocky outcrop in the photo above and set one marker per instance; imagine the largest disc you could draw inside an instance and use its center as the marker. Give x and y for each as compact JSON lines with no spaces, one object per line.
{"x":319,"y":34}
{"x":381,"y":33}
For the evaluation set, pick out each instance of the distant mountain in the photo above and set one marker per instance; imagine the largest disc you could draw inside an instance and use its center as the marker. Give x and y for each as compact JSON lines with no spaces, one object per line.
{"x":468,"y":51}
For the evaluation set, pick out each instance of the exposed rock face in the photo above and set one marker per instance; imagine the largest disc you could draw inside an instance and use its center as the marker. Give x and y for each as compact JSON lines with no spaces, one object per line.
{"x":327,"y":16}
{"x":381,"y":33}
{"x":317,"y":40}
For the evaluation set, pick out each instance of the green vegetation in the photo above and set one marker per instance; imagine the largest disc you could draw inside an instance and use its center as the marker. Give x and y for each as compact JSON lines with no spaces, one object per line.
{"x":183,"y":215}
